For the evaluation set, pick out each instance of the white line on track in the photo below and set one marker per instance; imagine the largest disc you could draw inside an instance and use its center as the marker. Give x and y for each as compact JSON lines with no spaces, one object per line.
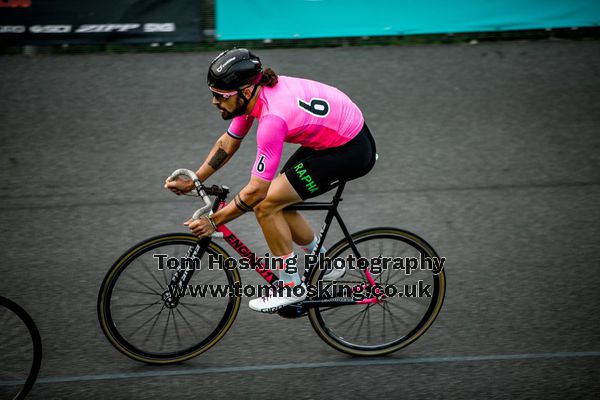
{"x":351,"y":363}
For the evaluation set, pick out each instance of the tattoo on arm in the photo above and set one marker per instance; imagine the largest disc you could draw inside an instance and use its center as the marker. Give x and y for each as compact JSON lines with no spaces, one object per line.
{"x":218,"y":159}
{"x":239,"y":203}
{"x":244,"y":204}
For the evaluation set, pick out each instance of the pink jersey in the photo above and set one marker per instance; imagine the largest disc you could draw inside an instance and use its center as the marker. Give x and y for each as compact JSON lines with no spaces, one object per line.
{"x":301,"y":111}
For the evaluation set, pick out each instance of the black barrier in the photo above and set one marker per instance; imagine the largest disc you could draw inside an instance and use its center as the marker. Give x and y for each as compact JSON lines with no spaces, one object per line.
{"x":34,"y":22}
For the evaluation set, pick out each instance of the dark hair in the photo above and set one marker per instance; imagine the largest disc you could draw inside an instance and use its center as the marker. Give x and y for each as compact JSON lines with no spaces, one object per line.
{"x":269,"y":78}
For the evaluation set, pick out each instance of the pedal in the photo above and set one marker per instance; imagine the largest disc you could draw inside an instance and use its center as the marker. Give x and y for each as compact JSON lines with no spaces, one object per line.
{"x":292,"y":311}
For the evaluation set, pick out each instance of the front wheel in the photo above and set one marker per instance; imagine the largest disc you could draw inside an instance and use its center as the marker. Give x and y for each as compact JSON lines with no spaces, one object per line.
{"x":412,"y":300}
{"x":146,"y":321}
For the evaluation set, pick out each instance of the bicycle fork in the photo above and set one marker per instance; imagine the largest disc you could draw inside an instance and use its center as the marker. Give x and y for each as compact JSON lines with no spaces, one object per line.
{"x":181,"y":276}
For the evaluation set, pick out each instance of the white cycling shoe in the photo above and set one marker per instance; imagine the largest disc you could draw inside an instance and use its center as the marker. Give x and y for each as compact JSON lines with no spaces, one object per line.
{"x":277,"y":299}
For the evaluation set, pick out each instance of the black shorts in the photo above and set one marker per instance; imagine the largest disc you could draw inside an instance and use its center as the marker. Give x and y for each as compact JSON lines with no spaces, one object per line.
{"x":313,"y":172}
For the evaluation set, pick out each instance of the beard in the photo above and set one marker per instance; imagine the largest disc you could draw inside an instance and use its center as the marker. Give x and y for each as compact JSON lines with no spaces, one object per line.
{"x":238,"y":110}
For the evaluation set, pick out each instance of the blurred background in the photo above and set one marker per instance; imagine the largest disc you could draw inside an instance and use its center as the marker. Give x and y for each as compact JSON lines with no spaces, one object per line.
{"x":486,"y":117}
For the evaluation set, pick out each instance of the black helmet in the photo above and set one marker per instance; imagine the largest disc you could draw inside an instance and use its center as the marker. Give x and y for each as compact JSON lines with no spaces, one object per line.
{"x":233,"y":69}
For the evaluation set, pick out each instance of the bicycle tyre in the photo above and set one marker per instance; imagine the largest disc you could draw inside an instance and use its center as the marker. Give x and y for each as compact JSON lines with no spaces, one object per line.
{"x":439,"y":289}
{"x":125,"y":346}
{"x":36,"y":345}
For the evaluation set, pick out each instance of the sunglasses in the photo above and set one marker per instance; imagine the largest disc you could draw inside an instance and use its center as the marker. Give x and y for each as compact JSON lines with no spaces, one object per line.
{"x":220,"y":95}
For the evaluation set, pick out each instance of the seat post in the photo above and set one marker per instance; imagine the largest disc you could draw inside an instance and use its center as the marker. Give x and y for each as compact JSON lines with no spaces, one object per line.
{"x":337,"y":197}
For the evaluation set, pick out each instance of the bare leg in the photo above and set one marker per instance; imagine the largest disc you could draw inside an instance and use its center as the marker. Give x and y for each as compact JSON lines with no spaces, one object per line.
{"x":271,"y":219}
{"x":301,"y":231}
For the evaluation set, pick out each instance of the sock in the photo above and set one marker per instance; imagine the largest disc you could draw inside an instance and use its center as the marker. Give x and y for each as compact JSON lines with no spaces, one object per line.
{"x":289,"y":273}
{"x":309,"y":248}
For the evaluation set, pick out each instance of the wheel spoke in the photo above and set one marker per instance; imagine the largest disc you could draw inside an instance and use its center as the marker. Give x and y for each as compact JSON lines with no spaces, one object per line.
{"x":394,"y":317}
{"x":177,"y":335}
{"x":135,"y":305}
{"x":136,"y":279}
{"x":194,"y":312}
{"x":187,"y":322}
{"x":147,"y":321}
{"x":151,"y":274}
{"x":369,"y":323}
{"x":408,"y":311}
{"x":140,"y":292}
{"x":153,"y":325}
{"x":143,"y":309}
{"x":365,"y":312}
{"x":212,"y":280}
{"x":207,"y":304}
{"x":417,"y":300}
{"x":164,"y":336}
{"x":167,"y":280}
{"x":349,"y":318}
{"x":389,"y":268}
{"x":383,"y":318}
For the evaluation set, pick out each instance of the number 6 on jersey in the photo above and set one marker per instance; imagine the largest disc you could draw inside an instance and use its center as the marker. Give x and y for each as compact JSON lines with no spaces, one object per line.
{"x":260,"y":164}
{"x":317,"y":107}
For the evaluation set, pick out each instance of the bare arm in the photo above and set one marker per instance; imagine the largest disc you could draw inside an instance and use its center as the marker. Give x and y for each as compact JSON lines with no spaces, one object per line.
{"x":222,"y":151}
{"x":252,"y":194}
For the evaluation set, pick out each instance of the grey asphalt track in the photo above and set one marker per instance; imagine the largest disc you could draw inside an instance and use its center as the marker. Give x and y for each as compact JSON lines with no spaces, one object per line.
{"x":491,"y":152}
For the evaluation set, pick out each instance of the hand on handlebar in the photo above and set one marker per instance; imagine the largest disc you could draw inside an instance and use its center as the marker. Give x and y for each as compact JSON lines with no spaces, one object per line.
{"x":179,"y":186}
{"x":200,"y":227}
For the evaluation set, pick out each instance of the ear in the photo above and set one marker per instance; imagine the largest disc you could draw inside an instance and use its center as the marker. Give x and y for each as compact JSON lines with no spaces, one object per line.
{"x":248,"y":91}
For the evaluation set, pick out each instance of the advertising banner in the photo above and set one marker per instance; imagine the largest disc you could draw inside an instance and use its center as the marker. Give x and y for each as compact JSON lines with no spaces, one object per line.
{"x":94,"y":21}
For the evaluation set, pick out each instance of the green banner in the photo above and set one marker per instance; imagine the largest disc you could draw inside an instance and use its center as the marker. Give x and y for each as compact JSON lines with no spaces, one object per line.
{"x":297,"y":19}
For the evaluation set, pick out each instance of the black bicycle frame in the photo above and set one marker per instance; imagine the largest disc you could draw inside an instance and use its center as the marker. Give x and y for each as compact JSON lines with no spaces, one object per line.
{"x":332,"y":212}
{"x":221,"y":193}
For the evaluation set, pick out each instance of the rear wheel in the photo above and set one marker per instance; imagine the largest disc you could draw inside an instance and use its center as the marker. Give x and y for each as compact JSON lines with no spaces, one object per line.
{"x":394,"y":321}
{"x":145,"y":321}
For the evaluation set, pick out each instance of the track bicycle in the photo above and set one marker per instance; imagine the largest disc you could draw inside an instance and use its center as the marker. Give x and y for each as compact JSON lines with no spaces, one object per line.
{"x":20,"y":351}
{"x":145,"y":313}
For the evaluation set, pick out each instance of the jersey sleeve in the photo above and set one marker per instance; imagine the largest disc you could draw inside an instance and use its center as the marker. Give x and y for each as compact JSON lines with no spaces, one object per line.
{"x":240,"y":126}
{"x":269,"y":145}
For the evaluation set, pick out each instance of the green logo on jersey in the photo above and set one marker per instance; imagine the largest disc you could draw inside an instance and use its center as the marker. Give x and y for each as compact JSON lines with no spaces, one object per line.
{"x":301,"y":172}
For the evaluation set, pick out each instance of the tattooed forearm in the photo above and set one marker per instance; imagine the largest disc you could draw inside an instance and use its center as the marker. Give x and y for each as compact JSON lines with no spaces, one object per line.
{"x":242,"y":205}
{"x":218,"y":159}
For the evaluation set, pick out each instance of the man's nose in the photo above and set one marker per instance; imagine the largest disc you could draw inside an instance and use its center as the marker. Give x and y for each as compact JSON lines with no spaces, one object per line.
{"x":214,"y":100}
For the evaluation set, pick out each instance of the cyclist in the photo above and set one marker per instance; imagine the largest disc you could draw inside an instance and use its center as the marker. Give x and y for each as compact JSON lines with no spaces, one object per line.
{"x":335,"y":144}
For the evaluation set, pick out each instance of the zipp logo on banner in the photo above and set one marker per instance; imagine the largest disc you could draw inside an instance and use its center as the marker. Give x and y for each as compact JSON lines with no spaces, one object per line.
{"x":91,"y":28}
{"x":15,"y":3}
{"x":148,"y":27}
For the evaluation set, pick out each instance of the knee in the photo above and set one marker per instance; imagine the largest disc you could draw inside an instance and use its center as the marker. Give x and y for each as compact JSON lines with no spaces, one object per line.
{"x":265,"y":209}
